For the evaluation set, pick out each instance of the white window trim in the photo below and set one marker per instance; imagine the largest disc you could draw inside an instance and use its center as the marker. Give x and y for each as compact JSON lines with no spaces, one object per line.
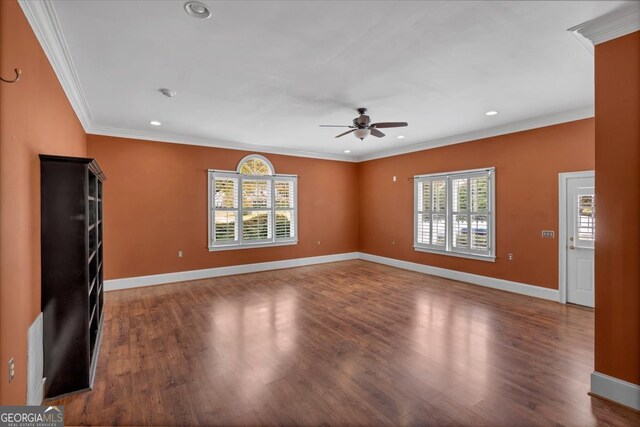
{"x":240,"y":244}
{"x":449,"y":250}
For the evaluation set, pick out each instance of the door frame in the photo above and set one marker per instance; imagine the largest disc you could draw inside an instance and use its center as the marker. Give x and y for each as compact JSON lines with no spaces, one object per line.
{"x":563,"y":179}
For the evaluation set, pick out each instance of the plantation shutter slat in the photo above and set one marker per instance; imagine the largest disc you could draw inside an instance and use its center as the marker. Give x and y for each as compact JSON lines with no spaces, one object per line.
{"x":479,"y":213}
{"x":256,"y":194}
{"x":284,"y":200}
{"x":424,"y":212}
{"x":225,"y":205}
{"x":256,"y":225}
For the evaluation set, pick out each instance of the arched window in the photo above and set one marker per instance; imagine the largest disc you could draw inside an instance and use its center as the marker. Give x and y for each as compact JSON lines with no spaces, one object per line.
{"x":252,"y":207}
{"x":255,"y":165}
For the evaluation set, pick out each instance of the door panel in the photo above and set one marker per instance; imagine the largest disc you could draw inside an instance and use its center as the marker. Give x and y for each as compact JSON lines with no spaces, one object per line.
{"x":581,"y":234}
{"x":585,"y":275}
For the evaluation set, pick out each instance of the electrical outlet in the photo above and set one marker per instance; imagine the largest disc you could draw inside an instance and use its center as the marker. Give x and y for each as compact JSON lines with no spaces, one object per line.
{"x":510,"y":257}
{"x":393,"y":243}
{"x":318,"y":242}
{"x":394,"y":178}
{"x":548,"y":234}
{"x":179,"y":254}
{"x":12,"y":369}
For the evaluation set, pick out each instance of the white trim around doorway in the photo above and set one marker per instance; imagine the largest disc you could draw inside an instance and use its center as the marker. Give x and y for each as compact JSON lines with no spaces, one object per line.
{"x":563,"y":178}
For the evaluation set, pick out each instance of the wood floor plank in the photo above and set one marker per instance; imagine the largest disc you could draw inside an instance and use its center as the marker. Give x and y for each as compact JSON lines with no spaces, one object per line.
{"x":349,"y":343}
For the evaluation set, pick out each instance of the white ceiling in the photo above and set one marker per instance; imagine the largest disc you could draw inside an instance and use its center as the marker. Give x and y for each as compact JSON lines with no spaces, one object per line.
{"x":268,"y":73}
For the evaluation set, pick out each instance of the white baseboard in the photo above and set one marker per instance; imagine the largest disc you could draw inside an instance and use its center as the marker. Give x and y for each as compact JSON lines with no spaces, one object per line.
{"x":616,"y":390}
{"x":489,"y":282}
{"x":182,"y":276}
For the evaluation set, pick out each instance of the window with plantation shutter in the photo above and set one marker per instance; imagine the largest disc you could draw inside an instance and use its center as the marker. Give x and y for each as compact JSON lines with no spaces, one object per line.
{"x":225,"y":219}
{"x":585,"y":232}
{"x":284,"y":202}
{"x":432,"y":220}
{"x":253,"y":207}
{"x":454,"y":213}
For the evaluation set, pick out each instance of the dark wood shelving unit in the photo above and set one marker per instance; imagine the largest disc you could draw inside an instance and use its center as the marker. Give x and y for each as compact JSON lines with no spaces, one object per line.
{"x":72,"y":278}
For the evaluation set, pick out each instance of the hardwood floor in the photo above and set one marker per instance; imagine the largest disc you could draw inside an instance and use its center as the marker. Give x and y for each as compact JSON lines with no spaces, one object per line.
{"x":343,"y":343}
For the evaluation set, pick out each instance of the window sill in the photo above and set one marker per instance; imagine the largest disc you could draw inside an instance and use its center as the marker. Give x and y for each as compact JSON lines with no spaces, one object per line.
{"x":486,"y":258}
{"x":251,"y":246}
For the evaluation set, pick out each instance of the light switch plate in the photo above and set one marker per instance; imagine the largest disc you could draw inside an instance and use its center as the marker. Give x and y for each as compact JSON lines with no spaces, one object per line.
{"x":548,"y":234}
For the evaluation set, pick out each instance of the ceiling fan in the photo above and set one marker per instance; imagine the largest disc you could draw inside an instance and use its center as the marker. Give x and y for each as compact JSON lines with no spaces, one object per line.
{"x":362,"y":126}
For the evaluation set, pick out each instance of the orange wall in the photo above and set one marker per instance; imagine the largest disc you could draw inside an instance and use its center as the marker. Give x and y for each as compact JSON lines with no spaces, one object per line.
{"x":155,"y":200}
{"x":156,"y":205}
{"x":35,"y":117}
{"x":617,"y":325}
{"x":527,"y":167}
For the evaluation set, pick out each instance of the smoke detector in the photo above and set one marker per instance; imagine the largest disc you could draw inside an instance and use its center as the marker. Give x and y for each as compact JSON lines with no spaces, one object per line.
{"x":168,"y":92}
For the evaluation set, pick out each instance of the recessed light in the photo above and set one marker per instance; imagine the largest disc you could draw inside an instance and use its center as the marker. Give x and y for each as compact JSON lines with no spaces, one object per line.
{"x":155,"y":123}
{"x":197,"y":9}
{"x":347,"y":151}
{"x":168,"y":92}
{"x":491,"y":113}
{"x":400,"y":136}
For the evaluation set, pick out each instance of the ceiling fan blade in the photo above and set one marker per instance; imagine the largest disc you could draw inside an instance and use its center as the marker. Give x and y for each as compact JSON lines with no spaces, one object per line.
{"x":343,"y":134}
{"x":334,"y":126}
{"x":376,"y":132}
{"x":390,"y":124}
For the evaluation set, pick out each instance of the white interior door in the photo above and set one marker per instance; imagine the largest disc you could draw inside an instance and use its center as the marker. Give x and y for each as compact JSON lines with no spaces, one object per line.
{"x":581,"y":235}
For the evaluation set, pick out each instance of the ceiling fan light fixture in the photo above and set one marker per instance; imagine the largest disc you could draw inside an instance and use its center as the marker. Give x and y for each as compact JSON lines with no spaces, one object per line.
{"x":197,"y":10}
{"x":362,"y":126}
{"x":362,"y":133}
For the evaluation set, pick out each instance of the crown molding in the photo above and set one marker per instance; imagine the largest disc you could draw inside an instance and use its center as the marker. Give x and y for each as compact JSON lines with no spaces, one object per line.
{"x":213,"y":143}
{"x":43,"y":19}
{"x":528,"y":124}
{"x":620,"y":22}
{"x":519,"y":126}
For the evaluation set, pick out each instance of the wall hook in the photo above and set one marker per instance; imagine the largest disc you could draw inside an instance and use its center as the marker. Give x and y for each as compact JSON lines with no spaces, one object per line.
{"x":18,"y":72}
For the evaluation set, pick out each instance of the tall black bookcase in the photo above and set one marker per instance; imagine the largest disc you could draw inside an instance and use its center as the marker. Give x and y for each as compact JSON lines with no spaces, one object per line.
{"x":72,"y":265}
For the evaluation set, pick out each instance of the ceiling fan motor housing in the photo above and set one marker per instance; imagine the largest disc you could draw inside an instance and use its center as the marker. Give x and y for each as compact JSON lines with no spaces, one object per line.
{"x":362,"y":121}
